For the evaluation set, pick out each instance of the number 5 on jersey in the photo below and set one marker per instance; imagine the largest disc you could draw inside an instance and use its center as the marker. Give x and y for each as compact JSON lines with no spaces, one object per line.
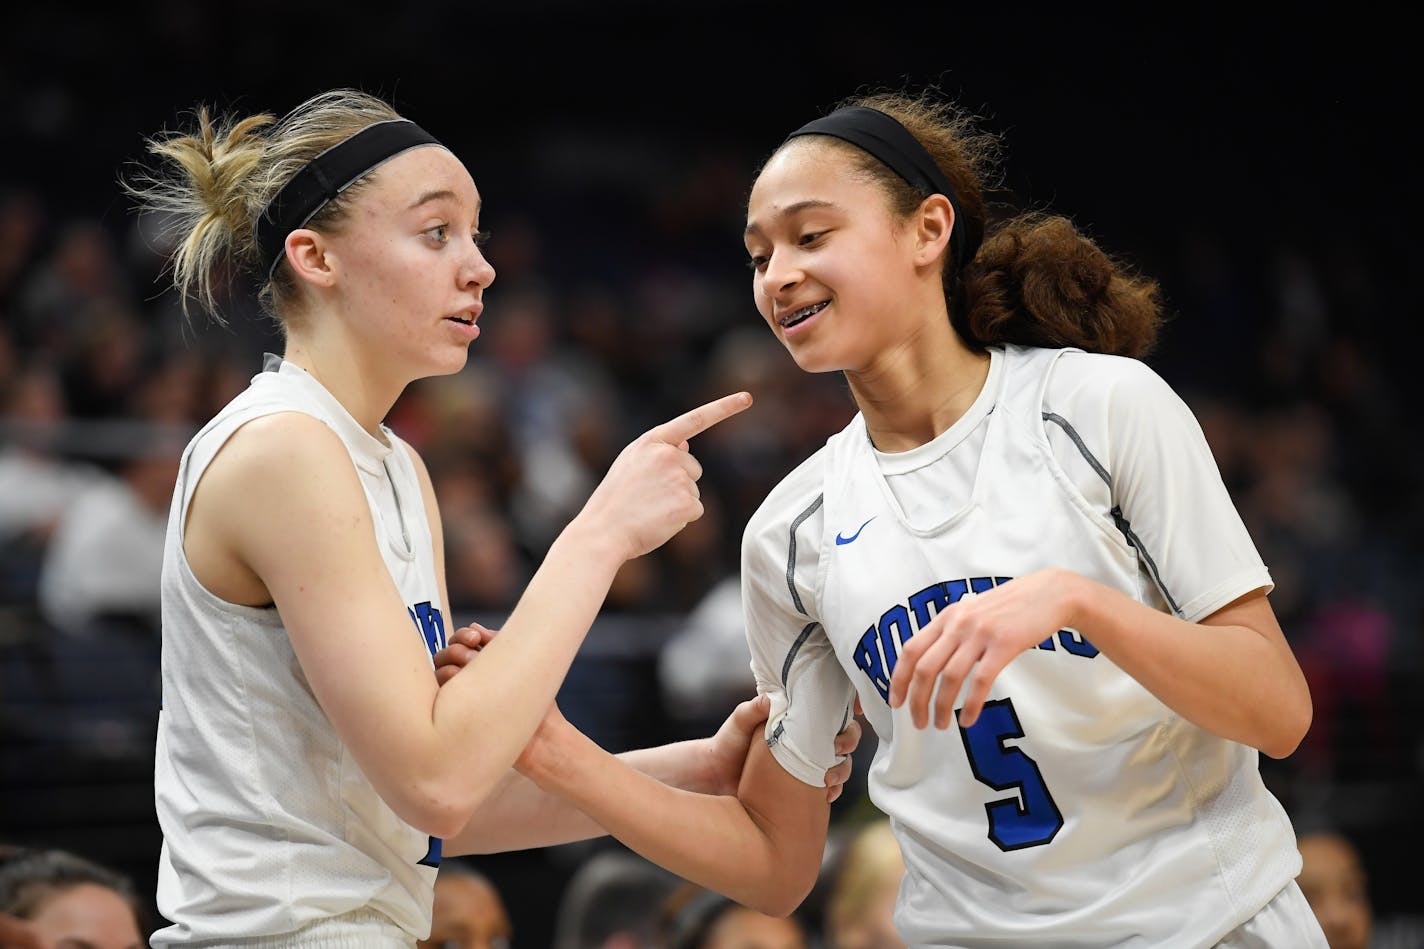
{"x":1030,"y":819}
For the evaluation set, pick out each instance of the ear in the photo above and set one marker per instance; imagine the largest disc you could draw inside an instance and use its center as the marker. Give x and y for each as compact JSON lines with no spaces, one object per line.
{"x":307,"y":255}
{"x":933,"y":221}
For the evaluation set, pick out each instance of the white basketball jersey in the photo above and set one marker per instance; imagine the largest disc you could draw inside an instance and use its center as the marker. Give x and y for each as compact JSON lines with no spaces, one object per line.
{"x":1079,"y":811}
{"x":269,"y":826}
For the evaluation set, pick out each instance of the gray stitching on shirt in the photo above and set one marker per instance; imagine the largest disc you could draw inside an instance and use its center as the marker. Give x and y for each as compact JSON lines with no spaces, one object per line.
{"x":1118,"y":520}
{"x":791,"y":552}
{"x":795,"y":648}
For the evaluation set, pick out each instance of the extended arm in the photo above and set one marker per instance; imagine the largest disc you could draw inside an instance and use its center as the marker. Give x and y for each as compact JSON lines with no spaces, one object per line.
{"x":519,"y":815}
{"x":432,"y":753}
{"x":762,"y":847}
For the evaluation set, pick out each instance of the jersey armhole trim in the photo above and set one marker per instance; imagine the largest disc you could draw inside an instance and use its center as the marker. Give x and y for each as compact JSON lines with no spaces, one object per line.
{"x":1119,"y":521}
{"x":791,"y":553}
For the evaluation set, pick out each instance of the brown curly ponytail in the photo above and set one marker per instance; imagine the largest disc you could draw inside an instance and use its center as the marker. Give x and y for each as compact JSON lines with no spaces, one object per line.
{"x":1036,"y":280}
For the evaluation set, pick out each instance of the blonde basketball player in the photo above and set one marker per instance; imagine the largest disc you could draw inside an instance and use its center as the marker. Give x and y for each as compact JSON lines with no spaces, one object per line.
{"x":1019,"y":557}
{"x":308,"y":762}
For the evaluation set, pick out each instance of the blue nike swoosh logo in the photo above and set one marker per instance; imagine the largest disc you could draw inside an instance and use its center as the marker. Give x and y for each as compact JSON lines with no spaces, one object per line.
{"x":846,"y":540}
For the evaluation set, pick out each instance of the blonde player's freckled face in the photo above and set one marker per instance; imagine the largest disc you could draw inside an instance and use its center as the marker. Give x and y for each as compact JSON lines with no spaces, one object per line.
{"x":820,"y":236}
{"x":411,"y":276}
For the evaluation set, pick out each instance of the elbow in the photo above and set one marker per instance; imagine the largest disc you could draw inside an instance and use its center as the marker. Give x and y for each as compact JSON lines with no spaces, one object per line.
{"x":436,"y":818}
{"x":440,"y":811}
{"x":1291,"y":729}
{"x":780,"y":894}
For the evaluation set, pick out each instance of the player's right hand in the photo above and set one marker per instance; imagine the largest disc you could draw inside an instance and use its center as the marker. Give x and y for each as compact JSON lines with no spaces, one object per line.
{"x":650,"y":491}
{"x":461,"y":647}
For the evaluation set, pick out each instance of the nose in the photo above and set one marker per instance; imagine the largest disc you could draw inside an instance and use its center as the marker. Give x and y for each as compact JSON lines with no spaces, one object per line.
{"x":476,"y":270}
{"x":781,"y":275}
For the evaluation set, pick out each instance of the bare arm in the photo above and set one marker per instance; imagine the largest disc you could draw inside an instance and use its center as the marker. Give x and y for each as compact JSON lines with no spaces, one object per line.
{"x":761,"y":847}
{"x":519,"y":815}
{"x":1232,"y":674}
{"x":315,"y":551}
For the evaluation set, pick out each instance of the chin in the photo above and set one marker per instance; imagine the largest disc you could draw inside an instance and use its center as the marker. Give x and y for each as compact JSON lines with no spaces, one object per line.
{"x":445,"y":363}
{"x":808,"y":360}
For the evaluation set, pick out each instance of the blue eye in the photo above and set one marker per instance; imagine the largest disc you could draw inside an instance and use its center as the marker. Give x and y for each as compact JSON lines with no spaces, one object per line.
{"x":440,"y":233}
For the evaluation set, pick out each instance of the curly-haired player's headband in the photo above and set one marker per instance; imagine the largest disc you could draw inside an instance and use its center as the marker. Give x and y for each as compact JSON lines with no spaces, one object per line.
{"x":885,"y":138}
{"x":325,"y":177}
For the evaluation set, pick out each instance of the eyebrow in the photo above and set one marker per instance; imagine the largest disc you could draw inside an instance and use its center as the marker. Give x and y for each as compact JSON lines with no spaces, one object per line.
{"x":791,"y":210}
{"x":439,"y":195}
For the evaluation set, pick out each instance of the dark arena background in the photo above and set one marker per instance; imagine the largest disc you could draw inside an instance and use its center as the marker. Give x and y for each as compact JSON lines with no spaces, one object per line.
{"x":1257,"y":167}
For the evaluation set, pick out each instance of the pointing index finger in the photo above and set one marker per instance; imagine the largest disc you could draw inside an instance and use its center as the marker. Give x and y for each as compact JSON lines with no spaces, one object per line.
{"x":700,"y":419}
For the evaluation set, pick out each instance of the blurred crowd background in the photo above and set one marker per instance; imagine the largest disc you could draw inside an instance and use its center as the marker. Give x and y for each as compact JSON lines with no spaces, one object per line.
{"x":1253,"y":166}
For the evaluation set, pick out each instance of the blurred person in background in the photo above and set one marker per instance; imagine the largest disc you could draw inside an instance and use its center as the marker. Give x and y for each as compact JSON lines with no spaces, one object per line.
{"x":468,"y":912}
{"x":105,"y":557}
{"x":1334,"y":879}
{"x":59,"y":900}
{"x":695,"y":918}
{"x":865,"y":882}
{"x":614,"y":900}
{"x":38,"y":482}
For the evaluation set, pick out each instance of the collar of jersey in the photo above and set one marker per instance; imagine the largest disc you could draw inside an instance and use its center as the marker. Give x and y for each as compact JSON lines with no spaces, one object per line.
{"x":903,"y":462}
{"x":367,"y":451}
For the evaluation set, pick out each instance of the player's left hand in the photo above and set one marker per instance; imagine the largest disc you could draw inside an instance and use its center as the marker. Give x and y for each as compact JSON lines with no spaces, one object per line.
{"x":727,"y":749}
{"x":461,"y":646}
{"x":977,"y":637}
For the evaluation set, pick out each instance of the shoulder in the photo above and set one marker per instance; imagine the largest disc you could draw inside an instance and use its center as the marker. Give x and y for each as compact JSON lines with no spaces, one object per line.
{"x":1096,"y":380}
{"x":281,"y":455}
{"x":1102,"y":371}
{"x":286,"y":438}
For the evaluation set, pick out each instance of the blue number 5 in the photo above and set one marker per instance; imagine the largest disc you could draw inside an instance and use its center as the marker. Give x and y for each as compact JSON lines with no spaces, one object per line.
{"x":1030,"y":819}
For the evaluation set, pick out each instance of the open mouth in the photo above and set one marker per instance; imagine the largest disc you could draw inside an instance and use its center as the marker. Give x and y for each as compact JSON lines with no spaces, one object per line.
{"x":803,"y":314}
{"x":462,"y":320}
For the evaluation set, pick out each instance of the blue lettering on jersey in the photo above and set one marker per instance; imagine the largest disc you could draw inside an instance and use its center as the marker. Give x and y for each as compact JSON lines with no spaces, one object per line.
{"x":430,"y":623}
{"x":879,"y":646}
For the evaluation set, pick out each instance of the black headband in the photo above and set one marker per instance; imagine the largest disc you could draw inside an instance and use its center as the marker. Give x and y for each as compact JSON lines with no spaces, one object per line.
{"x":886,"y":139}
{"x":326,"y":176}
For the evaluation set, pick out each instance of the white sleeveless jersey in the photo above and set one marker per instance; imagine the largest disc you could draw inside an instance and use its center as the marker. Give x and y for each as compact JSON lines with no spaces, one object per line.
{"x":269,"y":825}
{"x":1079,"y":811}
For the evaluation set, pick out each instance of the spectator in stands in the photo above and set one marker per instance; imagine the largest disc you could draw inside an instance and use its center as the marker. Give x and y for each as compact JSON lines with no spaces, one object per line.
{"x":864,"y":884}
{"x":468,"y":912}
{"x":56,"y":898}
{"x":613,"y":901}
{"x":695,"y":918}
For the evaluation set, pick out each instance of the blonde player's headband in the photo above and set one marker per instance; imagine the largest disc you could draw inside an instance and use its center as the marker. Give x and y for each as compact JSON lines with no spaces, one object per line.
{"x":325,"y":177}
{"x":885,"y":138}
